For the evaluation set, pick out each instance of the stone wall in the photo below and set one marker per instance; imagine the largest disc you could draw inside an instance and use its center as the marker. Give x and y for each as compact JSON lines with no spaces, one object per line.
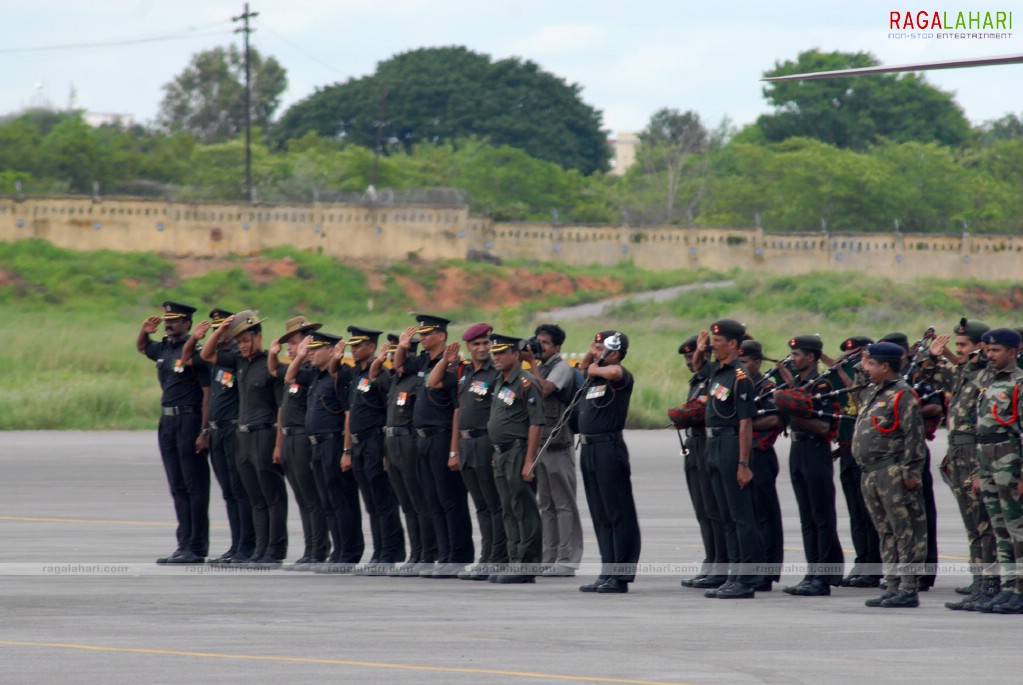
{"x":382,"y":234}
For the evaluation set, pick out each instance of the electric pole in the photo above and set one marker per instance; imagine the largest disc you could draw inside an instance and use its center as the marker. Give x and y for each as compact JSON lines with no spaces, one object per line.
{"x":246,"y":29}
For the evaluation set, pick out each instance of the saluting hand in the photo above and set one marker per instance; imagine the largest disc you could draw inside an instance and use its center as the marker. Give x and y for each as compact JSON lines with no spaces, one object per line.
{"x":151,"y":325}
{"x":451,"y":355}
{"x":339,"y":350}
{"x":199,"y":332}
{"x":405,"y":339}
{"x":940,"y":343}
{"x":703,"y":340}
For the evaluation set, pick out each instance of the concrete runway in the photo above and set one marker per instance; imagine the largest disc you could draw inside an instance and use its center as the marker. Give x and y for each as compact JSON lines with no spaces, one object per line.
{"x":84,"y":515}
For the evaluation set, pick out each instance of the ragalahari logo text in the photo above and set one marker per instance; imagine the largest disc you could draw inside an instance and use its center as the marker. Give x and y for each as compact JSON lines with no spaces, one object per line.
{"x":950,"y":25}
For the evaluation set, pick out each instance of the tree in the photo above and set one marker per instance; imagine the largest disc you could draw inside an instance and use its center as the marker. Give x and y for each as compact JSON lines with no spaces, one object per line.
{"x":442,"y":95}
{"x":859,"y":111}
{"x":667,"y":145}
{"x":207,"y":99}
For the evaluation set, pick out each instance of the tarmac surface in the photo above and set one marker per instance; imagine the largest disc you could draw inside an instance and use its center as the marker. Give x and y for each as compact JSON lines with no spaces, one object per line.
{"x":84,"y":515}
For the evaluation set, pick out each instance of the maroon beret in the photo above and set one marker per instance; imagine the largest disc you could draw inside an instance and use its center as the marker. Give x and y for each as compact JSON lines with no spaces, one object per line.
{"x":480,"y":330}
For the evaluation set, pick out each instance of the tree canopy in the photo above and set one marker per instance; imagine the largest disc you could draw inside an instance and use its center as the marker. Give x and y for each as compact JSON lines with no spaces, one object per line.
{"x":207,"y":99}
{"x":440,"y":95}
{"x":859,"y":111}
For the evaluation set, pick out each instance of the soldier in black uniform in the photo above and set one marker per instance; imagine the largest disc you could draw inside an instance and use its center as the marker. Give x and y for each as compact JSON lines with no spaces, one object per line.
{"x":604,"y":462}
{"x":767,"y":425}
{"x":293,"y":450}
{"x":328,"y":381}
{"x":221,"y":437}
{"x":258,"y":399}
{"x":364,"y":453}
{"x":730,"y":410}
{"x":471,"y":449}
{"x":515,"y":426}
{"x":434,"y":410}
{"x":400,"y":444}
{"x":185,"y":389}
{"x":813,"y":475}
{"x":713,"y":572}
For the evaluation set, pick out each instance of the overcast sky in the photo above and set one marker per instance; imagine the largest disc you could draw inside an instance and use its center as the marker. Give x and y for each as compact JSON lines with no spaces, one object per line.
{"x":631,"y":58}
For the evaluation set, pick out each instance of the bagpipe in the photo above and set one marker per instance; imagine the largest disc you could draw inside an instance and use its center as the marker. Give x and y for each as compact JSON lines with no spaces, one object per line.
{"x":792,"y":399}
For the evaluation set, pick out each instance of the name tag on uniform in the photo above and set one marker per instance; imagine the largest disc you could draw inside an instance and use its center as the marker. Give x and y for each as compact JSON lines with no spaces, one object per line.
{"x":364,"y":385}
{"x":506,"y":395}
{"x":179,"y":366}
{"x":402,"y":399}
{"x":720,"y":392}
{"x":225,"y":378}
{"x":294,"y":388}
{"x":596,"y":391}
{"x":478,"y":387}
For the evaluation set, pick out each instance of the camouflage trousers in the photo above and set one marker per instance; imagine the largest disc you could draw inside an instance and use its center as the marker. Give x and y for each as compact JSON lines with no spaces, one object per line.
{"x":901,"y":522}
{"x":999,"y":474}
{"x":956,"y":471}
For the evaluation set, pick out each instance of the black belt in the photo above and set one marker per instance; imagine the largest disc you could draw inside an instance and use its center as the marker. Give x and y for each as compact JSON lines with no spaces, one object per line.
{"x":718,"y":431}
{"x":396,"y":431}
{"x":427,"y":432}
{"x":804,"y":437}
{"x":255,"y":427}
{"x":961,"y":439}
{"x":217,"y":425}
{"x":995,"y":438}
{"x":364,"y":435}
{"x":178,"y":411}
{"x":598,"y":438}
{"x":293,"y":430}
{"x":502,"y":447}
{"x":879,"y":464}
{"x":317,"y":438}
{"x":472,"y":433}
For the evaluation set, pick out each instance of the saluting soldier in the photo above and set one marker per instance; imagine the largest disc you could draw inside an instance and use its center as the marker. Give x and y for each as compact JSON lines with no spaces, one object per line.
{"x":258,"y":399}
{"x":433,"y":413}
{"x":889,"y":446}
{"x":182,"y":449}
{"x":364,"y":452}
{"x":714,"y":570}
{"x":400,"y":442}
{"x":604,"y":461}
{"x":959,"y":467}
{"x":292,"y":449}
{"x":999,"y":409}
{"x":221,"y":433}
{"x":515,"y":426}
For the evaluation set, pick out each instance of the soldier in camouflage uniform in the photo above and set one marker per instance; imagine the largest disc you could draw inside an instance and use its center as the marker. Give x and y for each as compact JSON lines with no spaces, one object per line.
{"x":959,"y":467}
{"x":998,"y":455}
{"x":889,"y":447}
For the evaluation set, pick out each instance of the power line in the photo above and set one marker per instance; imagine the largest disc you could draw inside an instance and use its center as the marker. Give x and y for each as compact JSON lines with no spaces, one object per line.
{"x":300,"y":49}
{"x":115,"y":43}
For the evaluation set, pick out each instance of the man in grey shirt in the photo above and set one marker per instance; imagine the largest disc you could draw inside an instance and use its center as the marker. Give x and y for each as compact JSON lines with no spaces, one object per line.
{"x":555,"y":468}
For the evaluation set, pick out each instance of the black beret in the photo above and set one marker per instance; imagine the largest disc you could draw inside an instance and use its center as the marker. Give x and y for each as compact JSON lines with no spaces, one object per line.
{"x":688,"y":345}
{"x":813,"y":343}
{"x":855,"y":342}
{"x":751,"y":348}
{"x":885,"y":351}
{"x":972,"y":329}
{"x":898,"y":338}
{"x":1002,"y":336}
{"x":729,"y":328}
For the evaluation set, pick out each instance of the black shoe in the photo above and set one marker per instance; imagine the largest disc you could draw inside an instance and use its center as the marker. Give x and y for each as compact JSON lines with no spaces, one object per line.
{"x":713,"y":592}
{"x":514,"y":578}
{"x":815,"y":588}
{"x":613,"y":586}
{"x":224,"y":558}
{"x":167,"y":560}
{"x":848,"y":581}
{"x":903,"y":600}
{"x":864,"y":581}
{"x":876,"y":602}
{"x":736,"y":590}
{"x":688,"y":582}
{"x":450,"y":570}
{"x":795,"y":589}
{"x":709,"y":582}
{"x":266,"y":561}
{"x":592,"y":587}
{"x":988,"y":607}
{"x":187,"y":557}
{"x":765,"y":586}
{"x":1013,"y":606}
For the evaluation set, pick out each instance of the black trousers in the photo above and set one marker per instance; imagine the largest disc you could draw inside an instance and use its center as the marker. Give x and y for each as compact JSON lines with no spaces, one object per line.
{"x":224,"y":460}
{"x":446,"y":497}
{"x":188,"y":475}
{"x":708,"y":516}
{"x":297,"y":459}
{"x":764,"y":464}
{"x":264,"y":483}
{"x":477,"y":468}
{"x":741,"y":537}
{"x":401,"y":470}
{"x":339,"y":496}
{"x":812,"y":474}
{"x":378,"y":498}
{"x":861,"y":526}
{"x":607,"y":479}
{"x":931,"y":510}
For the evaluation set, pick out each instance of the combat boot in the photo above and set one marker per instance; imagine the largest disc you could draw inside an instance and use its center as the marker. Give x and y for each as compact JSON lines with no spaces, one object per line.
{"x":1002,"y":597}
{"x":970,"y":589}
{"x":876,"y":601}
{"x":901,"y":601}
{"x":989,"y":587}
{"x":1013,"y":606}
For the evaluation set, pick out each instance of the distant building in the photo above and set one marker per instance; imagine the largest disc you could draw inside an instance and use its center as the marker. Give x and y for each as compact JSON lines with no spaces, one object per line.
{"x":624,"y":146}
{"x":97,"y":119}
